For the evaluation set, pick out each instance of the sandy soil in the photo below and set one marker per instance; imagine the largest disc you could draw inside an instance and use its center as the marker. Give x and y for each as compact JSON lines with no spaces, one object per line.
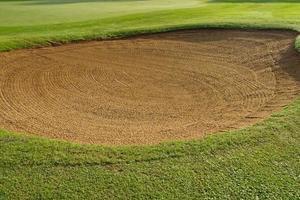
{"x":149,"y":89}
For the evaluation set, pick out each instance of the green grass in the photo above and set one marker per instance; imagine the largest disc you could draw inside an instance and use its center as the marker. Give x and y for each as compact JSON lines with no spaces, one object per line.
{"x":262,"y":161}
{"x":40,"y":22}
{"x":259,"y":162}
{"x":30,"y":12}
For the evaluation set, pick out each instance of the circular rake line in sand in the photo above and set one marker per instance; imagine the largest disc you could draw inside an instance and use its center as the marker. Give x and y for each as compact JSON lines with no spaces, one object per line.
{"x":149,"y":89}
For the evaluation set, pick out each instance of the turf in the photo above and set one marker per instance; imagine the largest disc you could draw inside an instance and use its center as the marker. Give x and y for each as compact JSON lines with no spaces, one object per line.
{"x":45,"y":22}
{"x":260,"y":162}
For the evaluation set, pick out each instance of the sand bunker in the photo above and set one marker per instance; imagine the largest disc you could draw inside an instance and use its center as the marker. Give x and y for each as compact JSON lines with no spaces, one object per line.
{"x":149,"y":89}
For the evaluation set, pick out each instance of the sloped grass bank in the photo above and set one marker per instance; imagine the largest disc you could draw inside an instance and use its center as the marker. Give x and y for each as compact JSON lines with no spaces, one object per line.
{"x":212,"y":15}
{"x":257,"y":162}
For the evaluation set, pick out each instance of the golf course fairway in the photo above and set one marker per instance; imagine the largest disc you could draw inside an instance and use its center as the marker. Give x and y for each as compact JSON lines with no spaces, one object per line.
{"x":238,"y":57}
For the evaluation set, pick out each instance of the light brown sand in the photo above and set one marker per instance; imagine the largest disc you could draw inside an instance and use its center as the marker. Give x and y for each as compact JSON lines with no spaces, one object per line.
{"x":149,"y":89}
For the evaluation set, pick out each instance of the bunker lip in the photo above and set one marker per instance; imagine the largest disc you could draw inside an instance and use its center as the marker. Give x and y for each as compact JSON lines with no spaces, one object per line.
{"x":149,"y":89}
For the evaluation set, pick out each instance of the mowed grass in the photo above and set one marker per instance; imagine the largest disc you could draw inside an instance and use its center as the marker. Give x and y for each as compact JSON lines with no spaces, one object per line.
{"x":45,"y":22}
{"x":38,"y":12}
{"x":259,"y":162}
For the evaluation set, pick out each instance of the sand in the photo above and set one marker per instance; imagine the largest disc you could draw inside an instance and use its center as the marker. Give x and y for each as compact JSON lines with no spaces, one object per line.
{"x":149,"y":89}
